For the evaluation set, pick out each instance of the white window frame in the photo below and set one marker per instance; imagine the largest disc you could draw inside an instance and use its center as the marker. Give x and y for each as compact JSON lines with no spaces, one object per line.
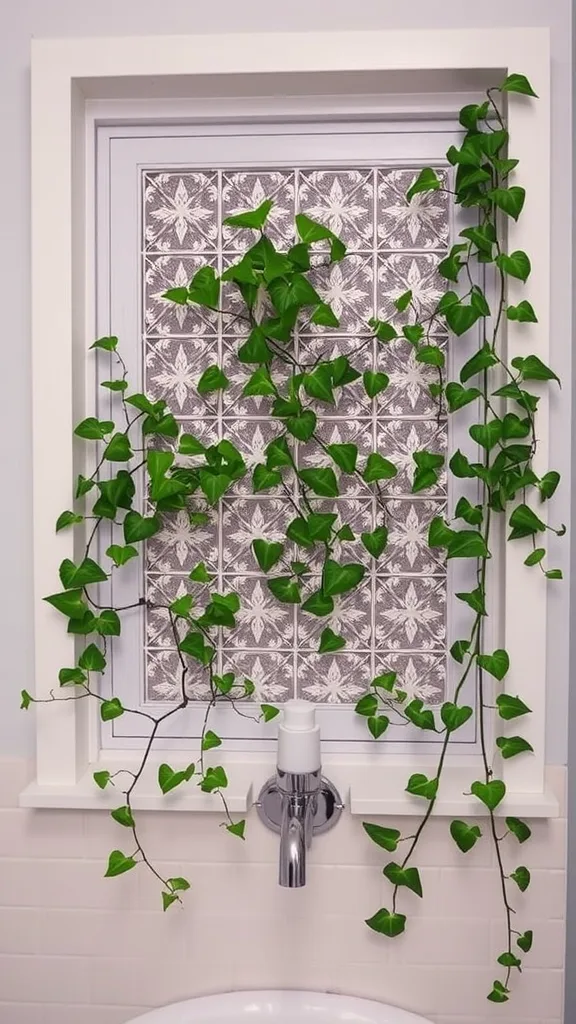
{"x":70,"y":80}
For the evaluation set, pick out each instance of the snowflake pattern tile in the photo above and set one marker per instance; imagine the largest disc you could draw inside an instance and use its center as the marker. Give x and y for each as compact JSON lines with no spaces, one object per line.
{"x":181,"y":211}
{"x":164,"y":317}
{"x":397,"y":617}
{"x":420,"y":224}
{"x":245,"y":190}
{"x":339,"y":678}
{"x":344,"y":201}
{"x":410,"y":613}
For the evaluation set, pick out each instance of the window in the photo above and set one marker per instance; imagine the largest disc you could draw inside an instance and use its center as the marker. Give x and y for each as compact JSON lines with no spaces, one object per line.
{"x":79,"y":85}
{"x":164,"y":195}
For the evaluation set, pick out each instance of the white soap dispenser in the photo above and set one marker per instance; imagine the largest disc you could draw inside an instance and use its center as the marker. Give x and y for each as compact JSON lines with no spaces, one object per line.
{"x":299,"y":738}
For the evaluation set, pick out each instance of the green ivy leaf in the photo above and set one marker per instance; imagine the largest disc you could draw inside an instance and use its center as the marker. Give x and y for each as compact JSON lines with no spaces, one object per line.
{"x":518,"y":83}
{"x":475,"y":599}
{"x":487,"y":435}
{"x":311,"y":231}
{"x":318,"y":604}
{"x":387,"y":923}
{"x":420,"y":717}
{"x":102,"y":779}
{"x":299,"y":532}
{"x":345,"y":533}
{"x":92,"y":429}
{"x":439,"y":533}
{"x":516,"y":264}
{"x":69,"y":602}
{"x":465,"y":836}
{"x":548,"y":484}
{"x":522,"y":878}
{"x":535,"y":556}
{"x":454,"y":716}
{"x":118,"y":449}
{"x":523,"y":313}
{"x":269,"y":712}
{"x":459,"y":649}
{"x":471,"y":514}
{"x":460,"y":317}
{"x":499,"y":993}
{"x":214,"y":485}
{"x":367,"y":706}
{"x":137,"y":527}
{"x":489,"y":793}
{"x":374,"y":383}
{"x":467,"y":544}
{"x":509,"y":200}
{"x":168,"y":898}
{"x":67,"y":519}
{"x":92,"y":659}
{"x":384,"y":331}
{"x":255,"y":219}
{"x":83,"y":485}
{"x":182,"y":606}
{"x":25,"y":700}
{"x":168,"y":778}
{"x":426,"y":181}
{"x":106,"y":344}
{"x":497,"y":664}
{"x":403,"y":301}
{"x":324,"y":316}
{"x":377,"y":725}
{"x":376,"y":541}
{"x":510,"y":746}
{"x":409,"y":877}
{"x":188,"y":444}
{"x":123,"y":815}
{"x":278,"y":453}
{"x":256,"y":349}
{"x":532,"y":368}
{"x":344,"y":455}
{"x":213,"y":379}
{"x":378,"y":468}
{"x":509,"y":960}
{"x":120,"y":555}
{"x":525,"y":941}
{"x":321,"y":480}
{"x":420,"y":785}
{"x":481,"y":360}
{"x":110,"y":709}
{"x":330,"y":641}
{"x":426,"y":473}
{"x":320,"y":525}
{"x":413,"y":333}
{"x":511,"y":707}
{"x":237,"y":828}
{"x":71,"y":676}
{"x":524,"y":523}
{"x":430,"y":355}
{"x":338,"y":578}
{"x":285,"y":589}
{"x":193,"y":644}
{"x":214,"y":778}
{"x":263,"y":479}
{"x":200,"y":574}
{"x":303,"y":425}
{"x":82,"y":575}
{"x":318,"y":383}
{"x":460,"y":466}
{"x":386,"y":838}
{"x":118,"y":864}
{"x":211,"y":740}
{"x":260,"y":383}
{"x":267,"y":553}
{"x":224,"y":683}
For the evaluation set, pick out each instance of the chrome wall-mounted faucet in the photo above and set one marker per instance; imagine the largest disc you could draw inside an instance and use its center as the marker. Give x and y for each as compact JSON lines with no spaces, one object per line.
{"x":298,"y":802}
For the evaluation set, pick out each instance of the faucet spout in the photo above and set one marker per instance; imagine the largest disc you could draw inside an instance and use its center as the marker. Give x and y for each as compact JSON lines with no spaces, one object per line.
{"x":299,"y":801}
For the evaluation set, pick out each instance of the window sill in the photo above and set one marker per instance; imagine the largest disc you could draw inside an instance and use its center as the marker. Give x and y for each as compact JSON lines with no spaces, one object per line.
{"x":364,"y":790}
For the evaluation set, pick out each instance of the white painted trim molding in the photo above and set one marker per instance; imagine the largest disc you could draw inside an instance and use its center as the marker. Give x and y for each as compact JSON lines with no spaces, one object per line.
{"x":69,"y":75}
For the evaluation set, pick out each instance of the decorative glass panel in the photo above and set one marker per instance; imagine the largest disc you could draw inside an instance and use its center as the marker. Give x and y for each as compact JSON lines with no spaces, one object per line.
{"x":397,"y":618}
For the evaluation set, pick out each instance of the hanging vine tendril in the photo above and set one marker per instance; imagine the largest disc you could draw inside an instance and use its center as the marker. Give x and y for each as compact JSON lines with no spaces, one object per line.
{"x":275,"y":299}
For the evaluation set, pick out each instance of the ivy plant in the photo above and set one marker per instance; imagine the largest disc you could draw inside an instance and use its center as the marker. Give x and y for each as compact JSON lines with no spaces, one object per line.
{"x":275,"y":295}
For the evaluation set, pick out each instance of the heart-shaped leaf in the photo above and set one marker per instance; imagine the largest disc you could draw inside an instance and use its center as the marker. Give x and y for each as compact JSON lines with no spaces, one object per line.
{"x":420,"y":785}
{"x":376,"y":541}
{"x":511,"y":707}
{"x":519,"y":828}
{"x":387,"y":838}
{"x":490,"y":793}
{"x":378,"y":468}
{"x":120,"y":555}
{"x":510,"y":746}
{"x":517,"y":83}
{"x":110,"y":709}
{"x":118,"y":863}
{"x":263,"y":478}
{"x":267,"y":553}
{"x":377,"y":725}
{"x":251,"y":218}
{"x":496,"y":664}
{"x":516,"y":264}
{"x":525,"y":941}
{"x":387,"y":923}
{"x":344,"y":455}
{"x":137,"y":527}
{"x":454,"y":716}
{"x":285,"y":589}
{"x":210,"y":740}
{"x":123,"y":815}
{"x":321,"y":480}
{"x":82,"y":575}
{"x":102,"y":779}
{"x":499,"y":993}
{"x":522,"y":878}
{"x":330,"y":641}
{"x":457,"y":396}
{"x":168,"y":778}
{"x":338,"y":578}
{"x":367,"y":706}
{"x":269,"y":712}
{"x":318,"y":604}
{"x":213,"y":379}
{"x":465,"y":836}
{"x":409,"y":877}
{"x":237,"y":828}
{"x":374,"y":383}
{"x":92,"y":659}
{"x":303,"y":425}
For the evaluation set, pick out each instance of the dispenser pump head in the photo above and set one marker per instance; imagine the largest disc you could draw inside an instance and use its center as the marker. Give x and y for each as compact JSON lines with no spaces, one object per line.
{"x":299,"y":738}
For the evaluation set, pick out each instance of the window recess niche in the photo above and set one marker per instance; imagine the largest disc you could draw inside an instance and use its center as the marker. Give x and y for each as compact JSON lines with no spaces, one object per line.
{"x":137,"y":136}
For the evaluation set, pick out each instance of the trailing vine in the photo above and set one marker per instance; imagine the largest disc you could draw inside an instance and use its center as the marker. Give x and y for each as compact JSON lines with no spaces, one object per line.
{"x":274,"y":297}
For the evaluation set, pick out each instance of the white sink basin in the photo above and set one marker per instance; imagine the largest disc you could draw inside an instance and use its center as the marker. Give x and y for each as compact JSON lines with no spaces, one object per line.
{"x":279,"y":1008}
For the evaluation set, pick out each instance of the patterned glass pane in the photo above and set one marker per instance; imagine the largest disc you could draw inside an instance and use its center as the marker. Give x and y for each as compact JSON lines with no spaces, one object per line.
{"x":397,"y":618}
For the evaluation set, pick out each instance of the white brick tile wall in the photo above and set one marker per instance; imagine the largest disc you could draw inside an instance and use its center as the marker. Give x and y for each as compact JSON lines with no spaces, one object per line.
{"x":76,"y":948}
